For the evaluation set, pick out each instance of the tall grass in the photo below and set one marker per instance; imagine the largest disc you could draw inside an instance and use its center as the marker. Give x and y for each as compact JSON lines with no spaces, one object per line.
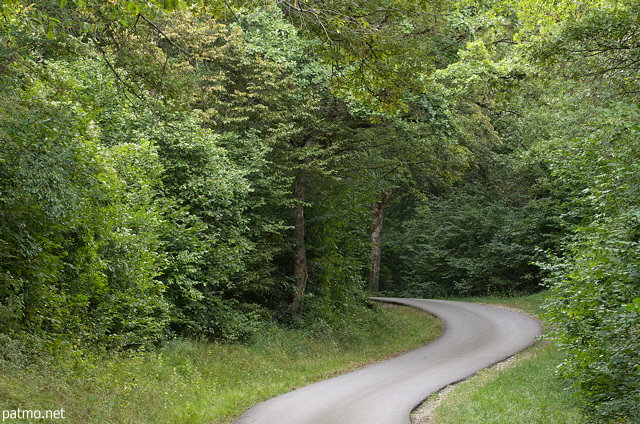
{"x":193,"y":382}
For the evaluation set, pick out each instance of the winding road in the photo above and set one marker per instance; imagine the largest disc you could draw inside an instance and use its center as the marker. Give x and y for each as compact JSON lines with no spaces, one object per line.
{"x":475,"y":336}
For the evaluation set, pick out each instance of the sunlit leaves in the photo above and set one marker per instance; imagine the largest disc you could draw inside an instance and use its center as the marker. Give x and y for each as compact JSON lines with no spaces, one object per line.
{"x":542,"y":17}
{"x":635,"y":305}
{"x":602,"y":46}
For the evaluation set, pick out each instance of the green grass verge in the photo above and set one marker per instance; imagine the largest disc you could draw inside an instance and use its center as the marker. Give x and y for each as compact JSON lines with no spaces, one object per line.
{"x":526,"y":391}
{"x":529,"y":303}
{"x":190,"y":382}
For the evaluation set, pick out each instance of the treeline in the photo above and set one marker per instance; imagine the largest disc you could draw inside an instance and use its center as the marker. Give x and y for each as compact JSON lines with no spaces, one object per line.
{"x":172,"y":170}
{"x":194,"y":169}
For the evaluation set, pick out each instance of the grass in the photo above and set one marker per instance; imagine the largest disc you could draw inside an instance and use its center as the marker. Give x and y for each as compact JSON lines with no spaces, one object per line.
{"x":526,"y":391}
{"x":191,"y":382}
{"x":529,"y":303}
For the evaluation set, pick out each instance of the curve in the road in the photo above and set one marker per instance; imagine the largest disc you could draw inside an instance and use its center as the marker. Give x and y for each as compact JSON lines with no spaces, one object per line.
{"x":475,"y":336}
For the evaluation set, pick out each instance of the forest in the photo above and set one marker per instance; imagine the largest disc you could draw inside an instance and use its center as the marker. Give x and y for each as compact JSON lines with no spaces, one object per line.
{"x":194,"y":168}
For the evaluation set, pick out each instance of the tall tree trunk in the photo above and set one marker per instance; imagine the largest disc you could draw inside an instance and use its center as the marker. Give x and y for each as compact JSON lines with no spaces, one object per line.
{"x":300,"y":272}
{"x":377,"y":217}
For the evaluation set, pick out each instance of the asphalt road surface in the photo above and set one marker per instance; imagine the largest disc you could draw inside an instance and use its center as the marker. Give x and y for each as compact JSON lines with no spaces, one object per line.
{"x":475,"y":336}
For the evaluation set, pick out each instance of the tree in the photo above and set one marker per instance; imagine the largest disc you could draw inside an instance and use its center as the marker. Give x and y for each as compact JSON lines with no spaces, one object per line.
{"x":377,"y":219}
{"x":216,"y":108}
{"x":403,"y":154}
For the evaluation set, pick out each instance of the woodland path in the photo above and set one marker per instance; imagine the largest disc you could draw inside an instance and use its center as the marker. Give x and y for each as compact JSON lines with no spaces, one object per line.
{"x":474,"y":337}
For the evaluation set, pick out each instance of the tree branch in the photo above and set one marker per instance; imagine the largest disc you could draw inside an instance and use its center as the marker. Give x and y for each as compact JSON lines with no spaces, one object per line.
{"x":166,"y":37}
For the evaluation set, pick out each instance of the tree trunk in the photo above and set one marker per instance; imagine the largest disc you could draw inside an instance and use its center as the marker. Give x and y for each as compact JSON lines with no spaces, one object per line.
{"x":300,"y":273}
{"x":377,"y":216}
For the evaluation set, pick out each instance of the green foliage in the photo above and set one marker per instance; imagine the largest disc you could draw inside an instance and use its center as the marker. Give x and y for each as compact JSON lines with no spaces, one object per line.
{"x":338,"y":253}
{"x":80,"y":250}
{"x":378,"y":51}
{"x":601,"y":46}
{"x":634,"y":306}
{"x":468,"y":244}
{"x":594,"y":281}
{"x":208,"y":245}
{"x":482,"y":236}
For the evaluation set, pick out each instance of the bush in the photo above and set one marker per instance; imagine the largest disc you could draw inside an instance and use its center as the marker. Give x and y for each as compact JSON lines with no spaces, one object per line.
{"x":79,"y":249}
{"x":598,"y":275}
